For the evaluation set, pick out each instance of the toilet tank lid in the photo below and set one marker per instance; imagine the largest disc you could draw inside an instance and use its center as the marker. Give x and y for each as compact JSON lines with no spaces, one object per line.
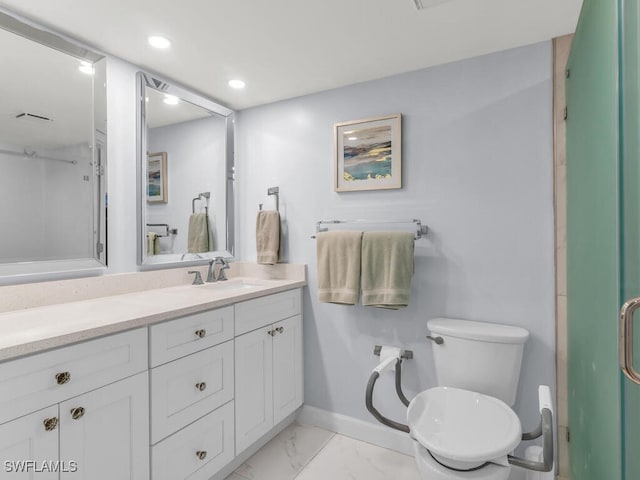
{"x":483,"y":331}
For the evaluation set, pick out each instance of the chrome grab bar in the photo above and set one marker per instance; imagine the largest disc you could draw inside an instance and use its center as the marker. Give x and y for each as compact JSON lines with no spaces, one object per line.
{"x":546,"y":430}
{"x":626,"y":339}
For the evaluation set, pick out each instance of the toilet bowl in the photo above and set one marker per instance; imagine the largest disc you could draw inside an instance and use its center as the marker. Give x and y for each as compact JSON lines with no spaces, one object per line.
{"x":460,"y":434}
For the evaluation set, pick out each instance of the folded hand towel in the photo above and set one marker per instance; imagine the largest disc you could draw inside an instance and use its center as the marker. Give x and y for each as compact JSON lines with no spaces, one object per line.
{"x":387,"y":268}
{"x":339,"y":266}
{"x":268,"y":236}
{"x":199,"y":237}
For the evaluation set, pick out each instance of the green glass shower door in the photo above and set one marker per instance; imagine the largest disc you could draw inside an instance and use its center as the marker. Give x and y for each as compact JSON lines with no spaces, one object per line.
{"x":629,"y":180}
{"x":603,"y":239}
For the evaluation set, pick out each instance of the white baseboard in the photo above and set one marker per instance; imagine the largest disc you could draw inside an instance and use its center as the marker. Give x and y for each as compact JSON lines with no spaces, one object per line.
{"x":352,"y":427}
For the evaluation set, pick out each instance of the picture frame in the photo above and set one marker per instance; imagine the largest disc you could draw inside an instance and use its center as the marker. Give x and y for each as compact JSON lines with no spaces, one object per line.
{"x":368,"y":154}
{"x":157,"y":178}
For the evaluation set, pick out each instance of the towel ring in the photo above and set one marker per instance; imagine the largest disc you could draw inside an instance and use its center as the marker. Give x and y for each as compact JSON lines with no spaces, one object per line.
{"x":276,"y":192}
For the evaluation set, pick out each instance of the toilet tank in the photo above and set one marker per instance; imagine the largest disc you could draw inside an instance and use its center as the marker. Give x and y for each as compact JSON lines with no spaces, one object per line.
{"x":478,"y":356}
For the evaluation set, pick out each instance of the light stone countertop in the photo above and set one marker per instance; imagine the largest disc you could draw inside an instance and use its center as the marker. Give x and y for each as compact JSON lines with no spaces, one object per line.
{"x":32,"y":330}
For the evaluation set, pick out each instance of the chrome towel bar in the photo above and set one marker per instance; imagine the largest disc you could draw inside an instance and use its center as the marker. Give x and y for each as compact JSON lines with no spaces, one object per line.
{"x":420,"y":230}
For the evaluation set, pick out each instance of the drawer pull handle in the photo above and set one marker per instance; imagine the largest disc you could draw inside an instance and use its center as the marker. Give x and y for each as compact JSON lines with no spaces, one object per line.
{"x":201,"y":386}
{"x":63,"y":377}
{"x":201,"y":333}
{"x":280,"y":329}
{"x":50,"y":424}
{"x":77,"y":413}
{"x":201,"y":454}
{"x":271,"y":332}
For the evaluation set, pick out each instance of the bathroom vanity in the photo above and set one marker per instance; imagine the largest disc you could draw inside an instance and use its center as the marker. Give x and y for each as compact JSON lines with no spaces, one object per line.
{"x":166,"y":383}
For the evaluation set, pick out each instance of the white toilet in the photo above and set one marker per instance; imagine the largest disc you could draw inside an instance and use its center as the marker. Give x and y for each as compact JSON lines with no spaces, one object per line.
{"x":464,"y":428}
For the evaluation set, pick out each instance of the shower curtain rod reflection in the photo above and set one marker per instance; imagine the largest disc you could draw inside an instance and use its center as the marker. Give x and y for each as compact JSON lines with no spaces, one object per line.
{"x":34,"y":155}
{"x":420,"y":230}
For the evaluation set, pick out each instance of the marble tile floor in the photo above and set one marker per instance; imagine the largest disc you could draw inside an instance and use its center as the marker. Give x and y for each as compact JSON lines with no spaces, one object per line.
{"x":310,"y":453}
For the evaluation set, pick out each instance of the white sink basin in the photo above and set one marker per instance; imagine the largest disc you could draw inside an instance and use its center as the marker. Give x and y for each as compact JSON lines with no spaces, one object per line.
{"x":230,"y":285}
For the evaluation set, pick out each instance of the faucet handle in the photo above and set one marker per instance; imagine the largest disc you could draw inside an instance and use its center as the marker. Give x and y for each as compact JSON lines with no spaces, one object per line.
{"x":224,"y":265}
{"x":197,"y":280}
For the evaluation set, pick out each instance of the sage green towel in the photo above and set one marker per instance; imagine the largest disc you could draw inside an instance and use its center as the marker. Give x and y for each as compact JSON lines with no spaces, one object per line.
{"x":338,"y":256}
{"x":199,"y":236}
{"x":387,"y":269}
{"x":268,"y":237}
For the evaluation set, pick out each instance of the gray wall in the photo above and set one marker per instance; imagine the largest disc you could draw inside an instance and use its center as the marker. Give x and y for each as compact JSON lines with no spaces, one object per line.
{"x":477,"y":160}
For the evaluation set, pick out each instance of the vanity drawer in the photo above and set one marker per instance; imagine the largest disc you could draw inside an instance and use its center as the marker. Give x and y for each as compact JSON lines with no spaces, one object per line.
{"x":30,"y":383}
{"x":186,"y":389}
{"x":179,"y":456}
{"x":184,"y":336}
{"x":259,"y":312}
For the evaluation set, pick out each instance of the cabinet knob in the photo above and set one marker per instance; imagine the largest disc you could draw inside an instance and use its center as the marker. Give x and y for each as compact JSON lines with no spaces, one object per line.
{"x":63,"y":377}
{"x":77,"y":413}
{"x":280,"y":329}
{"x":201,"y":454}
{"x":201,"y":386}
{"x":201,"y":333}
{"x":271,"y":332}
{"x":50,"y":424}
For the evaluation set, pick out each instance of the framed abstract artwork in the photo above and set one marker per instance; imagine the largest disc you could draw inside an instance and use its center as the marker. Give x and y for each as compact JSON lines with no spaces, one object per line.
{"x":368,"y":154}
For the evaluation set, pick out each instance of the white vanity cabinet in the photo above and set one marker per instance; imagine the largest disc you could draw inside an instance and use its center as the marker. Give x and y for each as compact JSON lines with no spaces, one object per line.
{"x":192,"y":408}
{"x":268,"y":364}
{"x":175,"y":400}
{"x":85,"y":407}
{"x":106,"y":431}
{"x":25,"y":439}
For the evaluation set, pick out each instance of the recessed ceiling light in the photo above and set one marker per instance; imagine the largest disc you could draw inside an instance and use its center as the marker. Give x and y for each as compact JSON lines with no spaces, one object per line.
{"x":171,"y":99}
{"x":157,"y":41}
{"x":353,"y":138}
{"x":237,"y":84}
{"x":86,"y":68}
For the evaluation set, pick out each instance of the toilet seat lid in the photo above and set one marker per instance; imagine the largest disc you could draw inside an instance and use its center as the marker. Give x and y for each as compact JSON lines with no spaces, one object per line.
{"x":463,"y":425}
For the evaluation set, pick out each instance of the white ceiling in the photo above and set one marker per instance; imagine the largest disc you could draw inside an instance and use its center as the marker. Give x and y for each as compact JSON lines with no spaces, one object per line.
{"x":287,"y":48}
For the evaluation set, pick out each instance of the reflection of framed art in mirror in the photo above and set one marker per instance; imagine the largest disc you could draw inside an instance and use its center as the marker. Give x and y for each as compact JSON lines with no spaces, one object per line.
{"x":157,"y":178}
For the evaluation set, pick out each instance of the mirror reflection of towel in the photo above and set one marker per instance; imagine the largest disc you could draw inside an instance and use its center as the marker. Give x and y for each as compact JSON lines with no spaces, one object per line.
{"x":153,"y":243}
{"x":199,"y":239}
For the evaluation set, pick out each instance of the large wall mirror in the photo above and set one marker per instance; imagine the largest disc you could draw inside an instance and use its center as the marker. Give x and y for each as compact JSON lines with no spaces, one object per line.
{"x":52,"y":153}
{"x":185,"y":175}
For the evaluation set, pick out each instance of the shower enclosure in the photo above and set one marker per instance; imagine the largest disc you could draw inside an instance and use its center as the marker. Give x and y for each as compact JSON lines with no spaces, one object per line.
{"x":603,"y":240}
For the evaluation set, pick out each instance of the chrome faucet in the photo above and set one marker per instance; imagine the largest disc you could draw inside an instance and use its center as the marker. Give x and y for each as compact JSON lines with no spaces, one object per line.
{"x":211,"y":274}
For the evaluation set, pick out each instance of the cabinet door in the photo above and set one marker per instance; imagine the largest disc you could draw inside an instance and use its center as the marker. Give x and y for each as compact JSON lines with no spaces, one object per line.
{"x":109,"y":437}
{"x":287,"y":367}
{"x":254,"y":386}
{"x":26,"y":446}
